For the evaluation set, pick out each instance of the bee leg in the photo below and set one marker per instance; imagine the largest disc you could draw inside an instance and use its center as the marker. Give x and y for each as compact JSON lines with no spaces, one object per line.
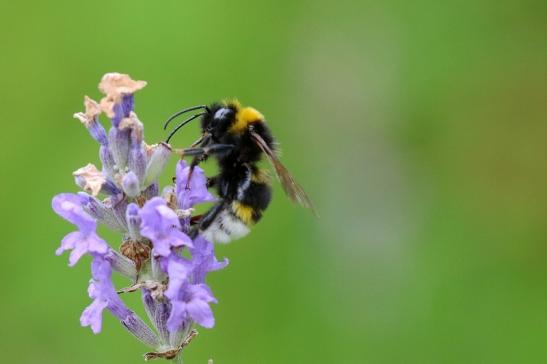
{"x":195,"y":219}
{"x":195,"y":161}
{"x":213,"y":149}
{"x":212,"y":181}
{"x":206,"y":219}
{"x":200,"y":154}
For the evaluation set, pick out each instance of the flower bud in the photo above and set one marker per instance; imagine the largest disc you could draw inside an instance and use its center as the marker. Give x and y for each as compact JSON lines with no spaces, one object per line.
{"x":140,"y":330}
{"x":100,"y":212}
{"x":122,"y":110}
{"x":158,"y":311}
{"x":158,"y":161}
{"x":109,"y":166}
{"x":130,"y":184}
{"x":151,"y":191}
{"x":118,"y":205}
{"x":128,"y":103}
{"x":90,"y":118}
{"x":121,"y":264}
{"x":137,"y":155}
{"x":133,"y":221}
{"x":110,"y":188}
{"x":137,"y":161}
{"x":119,"y":146}
{"x":97,"y":132}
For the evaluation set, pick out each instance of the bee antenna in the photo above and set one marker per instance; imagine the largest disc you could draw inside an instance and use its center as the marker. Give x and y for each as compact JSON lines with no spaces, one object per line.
{"x":182,"y":124}
{"x":183,"y":112}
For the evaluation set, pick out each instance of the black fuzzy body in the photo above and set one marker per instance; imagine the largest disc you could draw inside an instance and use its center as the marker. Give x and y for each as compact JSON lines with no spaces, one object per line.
{"x":243,"y":187}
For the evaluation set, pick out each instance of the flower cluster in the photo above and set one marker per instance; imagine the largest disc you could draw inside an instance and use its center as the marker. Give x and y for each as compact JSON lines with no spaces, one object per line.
{"x":156,"y":253}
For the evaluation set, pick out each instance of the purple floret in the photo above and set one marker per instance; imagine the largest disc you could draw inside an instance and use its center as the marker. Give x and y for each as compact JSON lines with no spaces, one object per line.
{"x":102,"y":291}
{"x":204,"y":260}
{"x":191,"y":302}
{"x":161,"y":225}
{"x":197,"y":191}
{"x":85,"y":240}
{"x":156,"y":252}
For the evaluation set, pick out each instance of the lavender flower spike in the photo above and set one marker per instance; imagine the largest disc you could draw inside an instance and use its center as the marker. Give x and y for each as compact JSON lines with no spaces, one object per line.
{"x":156,"y":252}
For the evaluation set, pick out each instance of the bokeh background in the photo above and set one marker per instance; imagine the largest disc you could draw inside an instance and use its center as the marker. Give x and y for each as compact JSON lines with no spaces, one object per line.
{"x":419,"y":129}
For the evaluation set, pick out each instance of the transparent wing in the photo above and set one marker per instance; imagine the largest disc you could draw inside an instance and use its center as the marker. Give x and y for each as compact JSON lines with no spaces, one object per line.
{"x":292,"y":189}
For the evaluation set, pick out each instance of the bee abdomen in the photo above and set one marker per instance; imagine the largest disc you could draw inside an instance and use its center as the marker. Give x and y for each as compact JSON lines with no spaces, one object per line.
{"x":246,"y":213}
{"x":257,"y":197}
{"x":226,"y":227}
{"x":237,"y":215}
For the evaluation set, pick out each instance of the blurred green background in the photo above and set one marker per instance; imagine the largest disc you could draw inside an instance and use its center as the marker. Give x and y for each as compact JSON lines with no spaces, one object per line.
{"x":419,"y":128}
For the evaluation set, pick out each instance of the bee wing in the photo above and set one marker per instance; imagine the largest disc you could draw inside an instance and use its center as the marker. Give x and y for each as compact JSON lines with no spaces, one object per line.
{"x":292,"y":189}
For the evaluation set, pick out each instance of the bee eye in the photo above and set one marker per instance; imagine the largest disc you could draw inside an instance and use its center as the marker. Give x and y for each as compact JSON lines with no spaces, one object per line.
{"x":221,"y":113}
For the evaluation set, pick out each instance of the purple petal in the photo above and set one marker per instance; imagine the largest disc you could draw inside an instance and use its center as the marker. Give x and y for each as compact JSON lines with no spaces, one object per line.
{"x":177,"y":316}
{"x":177,"y":270}
{"x":204,"y":260}
{"x":197,"y":192}
{"x":161,"y":246}
{"x":96,"y":245}
{"x":201,"y":313}
{"x":101,"y":269}
{"x":180,"y":238}
{"x":69,"y":242}
{"x":201,"y":292}
{"x":81,"y":244}
{"x":161,"y":225}
{"x":103,"y":293}
{"x":69,"y":207}
{"x":79,"y":250}
{"x":156,"y":216}
{"x":92,"y":290}
{"x":93,"y":315}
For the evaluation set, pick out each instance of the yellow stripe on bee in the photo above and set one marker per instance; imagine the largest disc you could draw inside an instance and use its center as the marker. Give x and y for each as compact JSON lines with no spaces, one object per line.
{"x":244,"y":117}
{"x":243,"y":212}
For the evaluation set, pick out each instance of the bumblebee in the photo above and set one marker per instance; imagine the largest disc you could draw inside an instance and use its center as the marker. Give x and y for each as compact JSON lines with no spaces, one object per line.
{"x":237,"y":137}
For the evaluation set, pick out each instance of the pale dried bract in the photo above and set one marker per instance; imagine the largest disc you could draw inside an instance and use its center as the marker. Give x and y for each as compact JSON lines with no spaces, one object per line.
{"x":116,"y":84}
{"x":92,"y":177}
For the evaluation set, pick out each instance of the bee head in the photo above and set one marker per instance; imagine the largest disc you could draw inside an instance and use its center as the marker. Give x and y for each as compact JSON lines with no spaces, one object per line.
{"x":228,"y":117}
{"x":219,"y":119}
